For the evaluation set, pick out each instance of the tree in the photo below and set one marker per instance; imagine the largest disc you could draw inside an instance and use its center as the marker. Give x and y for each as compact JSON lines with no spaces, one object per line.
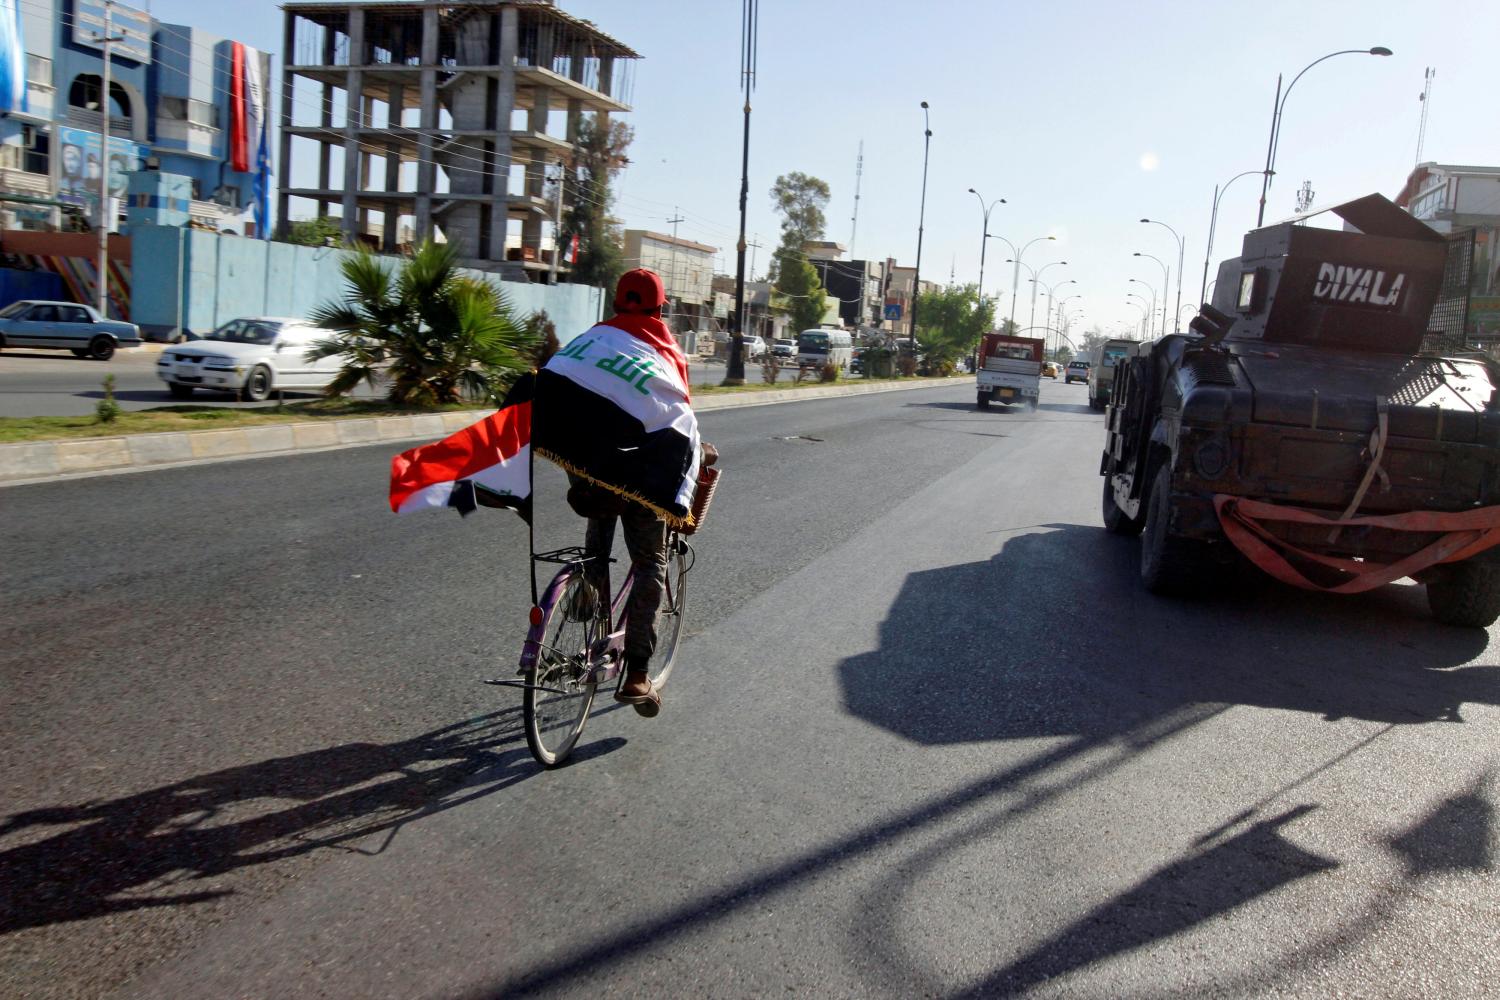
{"x":1092,"y":339}
{"x":316,"y":232}
{"x":587,"y":199}
{"x":951,"y":321}
{"x":436,"y":334}
{"x":799,"y":294}
{"x":799,"y":199}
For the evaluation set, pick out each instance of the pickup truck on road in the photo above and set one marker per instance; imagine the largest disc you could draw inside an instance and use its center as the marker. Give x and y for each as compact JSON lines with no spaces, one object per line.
{"x":1010,"y":370}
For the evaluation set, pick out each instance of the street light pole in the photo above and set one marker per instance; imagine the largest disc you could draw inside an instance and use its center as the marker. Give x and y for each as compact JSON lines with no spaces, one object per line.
{"x":101,"y":301}
{"x":984,"y":242}
{"x":1279,"y":105}
{"x":1015,"y":277}
{"x":1213,"y":222}
{"x":1166,"y":282}
{"x":734,"y":371}
{"x":1152,"y":314}
{"x":1035,"y":280}
{"x":1181,"y":252}
{"x":916,"y":283}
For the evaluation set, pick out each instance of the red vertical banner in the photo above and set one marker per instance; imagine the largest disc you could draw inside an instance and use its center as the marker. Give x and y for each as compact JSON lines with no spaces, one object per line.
{"x":239,"y":144}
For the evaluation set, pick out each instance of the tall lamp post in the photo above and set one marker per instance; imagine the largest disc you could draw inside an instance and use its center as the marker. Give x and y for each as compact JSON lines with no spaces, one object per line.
{"x":984,"y":242}
{"x":1141,"y":306}
{"x":1279,"y":105}
{"x":1181,"y":252}
{"x":1035,"y":280}
{"x":1015,"y":276}
{"x":1051,"y":298}
{"x":916,"y":281}
{"x":734,"y":371}
{"x":1213,"y":222}
{"x":1061,"y":315}
{"x":1152,"y":289}
{"x":1166,"y":280}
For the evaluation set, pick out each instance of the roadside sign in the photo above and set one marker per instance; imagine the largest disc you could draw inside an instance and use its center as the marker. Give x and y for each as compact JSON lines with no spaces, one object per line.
{"x":893,"y":310}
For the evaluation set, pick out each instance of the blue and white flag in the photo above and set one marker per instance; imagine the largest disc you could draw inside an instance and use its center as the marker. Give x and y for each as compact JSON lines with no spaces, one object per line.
{"x":12,"y":58}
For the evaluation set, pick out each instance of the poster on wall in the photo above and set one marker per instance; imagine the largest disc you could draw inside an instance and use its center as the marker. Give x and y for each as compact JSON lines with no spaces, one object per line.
{"x":80,"y":164}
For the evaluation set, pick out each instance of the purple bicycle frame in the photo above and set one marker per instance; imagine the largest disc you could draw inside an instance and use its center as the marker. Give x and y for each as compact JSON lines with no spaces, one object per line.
{"x":605,"y":653}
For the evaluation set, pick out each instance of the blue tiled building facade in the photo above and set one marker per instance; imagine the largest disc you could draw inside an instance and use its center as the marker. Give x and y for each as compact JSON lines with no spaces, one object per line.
{"x":170,"y":111}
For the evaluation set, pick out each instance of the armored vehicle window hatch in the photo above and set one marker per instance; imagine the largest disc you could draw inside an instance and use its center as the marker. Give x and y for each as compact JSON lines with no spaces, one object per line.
{"x":1367,"y":290}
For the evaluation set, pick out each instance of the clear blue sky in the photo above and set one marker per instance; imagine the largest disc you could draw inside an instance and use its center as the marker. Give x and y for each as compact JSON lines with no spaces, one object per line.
{"x":1085,"y":116}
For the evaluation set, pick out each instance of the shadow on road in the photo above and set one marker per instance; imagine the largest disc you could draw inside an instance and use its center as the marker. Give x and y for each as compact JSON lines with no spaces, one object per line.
{"x":148,"y":850}
{"x":1053,"y":638}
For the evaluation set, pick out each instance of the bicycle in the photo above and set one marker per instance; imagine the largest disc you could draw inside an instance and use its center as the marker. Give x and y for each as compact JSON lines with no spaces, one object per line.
{"x":566,"y":656}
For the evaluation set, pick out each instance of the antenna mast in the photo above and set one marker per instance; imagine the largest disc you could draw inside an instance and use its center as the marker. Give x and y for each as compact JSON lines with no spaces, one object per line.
{"x":859,"y":170}
{"x":1426,"y":99}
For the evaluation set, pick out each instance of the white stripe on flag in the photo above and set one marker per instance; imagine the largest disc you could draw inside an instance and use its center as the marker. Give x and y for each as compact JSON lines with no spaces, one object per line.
{"x":509,"y":476}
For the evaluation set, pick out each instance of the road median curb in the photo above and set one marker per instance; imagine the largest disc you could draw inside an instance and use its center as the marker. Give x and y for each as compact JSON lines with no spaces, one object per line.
{"x":75,"y":458}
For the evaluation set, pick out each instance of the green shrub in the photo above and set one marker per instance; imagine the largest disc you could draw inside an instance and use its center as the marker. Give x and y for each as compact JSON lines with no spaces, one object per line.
{"x":108,"y":411}
{"x":828,"y":372}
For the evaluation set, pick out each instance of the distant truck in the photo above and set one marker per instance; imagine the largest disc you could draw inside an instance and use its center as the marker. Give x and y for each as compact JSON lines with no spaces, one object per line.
{"x":1102,"y":370}
{"x":1301,"y":428}
{"x":1010,"y":370}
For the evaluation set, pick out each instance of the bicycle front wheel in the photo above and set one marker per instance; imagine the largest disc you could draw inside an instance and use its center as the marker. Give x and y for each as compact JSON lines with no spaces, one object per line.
{"x":560,"y":683}
{"x":670,"y":625}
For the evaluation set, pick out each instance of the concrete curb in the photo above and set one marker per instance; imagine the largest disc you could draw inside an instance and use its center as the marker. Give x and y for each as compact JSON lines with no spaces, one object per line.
{"x":47,"y":461}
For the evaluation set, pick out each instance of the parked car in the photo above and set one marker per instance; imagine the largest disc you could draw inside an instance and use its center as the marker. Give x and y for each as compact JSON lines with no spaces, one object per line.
{"x":251,"y":357}
{"x":1049,"y":369}
{"x":1078,"y":371}
{"x":785,"y":349}
{"x":857,"y":361}
{"x":65,"y":326}
{"x":755,"y":348}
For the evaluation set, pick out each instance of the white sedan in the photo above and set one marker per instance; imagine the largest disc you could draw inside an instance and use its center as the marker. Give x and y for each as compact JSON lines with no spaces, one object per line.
{"x":251,"y":358}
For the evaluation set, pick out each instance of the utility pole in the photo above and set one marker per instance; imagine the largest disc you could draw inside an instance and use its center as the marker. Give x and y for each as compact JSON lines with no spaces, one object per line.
{"x":676,"y":218}
{"x":1426,"y":99}
{"x":859,"y":171}
{"x":916,"y":278}
{"x":734,"y":373}
{"x":102,"y":283}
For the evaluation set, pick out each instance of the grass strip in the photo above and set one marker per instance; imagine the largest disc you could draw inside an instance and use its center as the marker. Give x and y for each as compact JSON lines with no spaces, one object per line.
{"x":14,"y":430}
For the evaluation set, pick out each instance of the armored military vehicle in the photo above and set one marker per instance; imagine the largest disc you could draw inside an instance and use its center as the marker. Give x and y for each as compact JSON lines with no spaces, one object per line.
{"x":1300,"y":426}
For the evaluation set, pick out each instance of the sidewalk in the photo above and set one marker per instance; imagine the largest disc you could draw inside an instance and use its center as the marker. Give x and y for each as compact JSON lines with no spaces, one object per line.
{"x":46,"y":461}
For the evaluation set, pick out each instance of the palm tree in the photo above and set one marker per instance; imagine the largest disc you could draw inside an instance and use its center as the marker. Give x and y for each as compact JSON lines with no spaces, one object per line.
{"x":436,"y":334}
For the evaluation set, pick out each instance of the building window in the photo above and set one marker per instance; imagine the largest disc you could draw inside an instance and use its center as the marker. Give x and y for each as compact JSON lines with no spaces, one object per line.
{"x":185,"y":109}
{"x":38,"y":70}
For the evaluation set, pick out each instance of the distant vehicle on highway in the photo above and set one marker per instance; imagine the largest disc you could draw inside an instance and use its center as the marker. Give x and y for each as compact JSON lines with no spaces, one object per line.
{"x":250,"y":357}
{"x":815,"y":347}
{"x":1049,"y":369}
{"x":65,"y":326}
{"x":1077,"y":371}
{"x":784,"y":349}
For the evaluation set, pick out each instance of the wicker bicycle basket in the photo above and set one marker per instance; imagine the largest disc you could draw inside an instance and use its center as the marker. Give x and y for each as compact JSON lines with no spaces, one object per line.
{"x":708,"y":482}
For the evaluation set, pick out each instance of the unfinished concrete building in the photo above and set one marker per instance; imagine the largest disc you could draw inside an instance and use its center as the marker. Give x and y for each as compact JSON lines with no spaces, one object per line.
{"x":417,"y":119}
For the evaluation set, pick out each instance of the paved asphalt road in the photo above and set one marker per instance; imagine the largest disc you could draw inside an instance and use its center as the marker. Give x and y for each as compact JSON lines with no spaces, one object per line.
{"x":56,"y":384}
{"x":929,"y":738}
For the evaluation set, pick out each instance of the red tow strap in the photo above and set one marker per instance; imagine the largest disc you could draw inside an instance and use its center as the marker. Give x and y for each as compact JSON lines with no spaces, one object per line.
{"x":1463,"y":534}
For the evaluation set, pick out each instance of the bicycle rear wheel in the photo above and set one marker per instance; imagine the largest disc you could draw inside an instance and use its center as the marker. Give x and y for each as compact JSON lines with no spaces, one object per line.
{"x":560,"y":683}
{"x":670,"y":621}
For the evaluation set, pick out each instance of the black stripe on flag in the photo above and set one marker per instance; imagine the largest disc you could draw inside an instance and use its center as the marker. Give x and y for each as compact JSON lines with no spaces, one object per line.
{"x":591,"y":436}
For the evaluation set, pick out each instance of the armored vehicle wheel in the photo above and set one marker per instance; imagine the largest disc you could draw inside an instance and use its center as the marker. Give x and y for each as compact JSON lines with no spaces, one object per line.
{"x":1169,"y":565}
{"x":1116,"y":521}
{"x":1466,"y":594}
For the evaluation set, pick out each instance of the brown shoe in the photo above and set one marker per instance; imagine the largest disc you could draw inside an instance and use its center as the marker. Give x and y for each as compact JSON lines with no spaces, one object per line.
{"x":640,"y":692}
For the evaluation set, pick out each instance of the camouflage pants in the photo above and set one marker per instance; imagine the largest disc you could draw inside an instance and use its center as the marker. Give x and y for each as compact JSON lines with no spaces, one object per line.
{"x":646,"y":542}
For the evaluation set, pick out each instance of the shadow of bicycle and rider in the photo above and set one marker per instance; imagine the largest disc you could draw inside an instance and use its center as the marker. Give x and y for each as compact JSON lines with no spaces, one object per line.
{"x":157,"y":847}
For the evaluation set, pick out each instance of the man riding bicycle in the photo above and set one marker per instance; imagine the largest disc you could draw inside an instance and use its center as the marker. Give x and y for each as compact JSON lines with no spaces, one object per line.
{"x":638,"y":302}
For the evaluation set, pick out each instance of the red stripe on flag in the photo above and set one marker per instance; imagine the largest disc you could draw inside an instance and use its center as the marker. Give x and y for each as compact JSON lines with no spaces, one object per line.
{"x":239,"y":141}
{"x":461,"y":455}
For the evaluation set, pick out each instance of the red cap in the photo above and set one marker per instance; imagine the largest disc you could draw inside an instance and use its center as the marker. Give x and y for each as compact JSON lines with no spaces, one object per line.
{"x":639,"y":291}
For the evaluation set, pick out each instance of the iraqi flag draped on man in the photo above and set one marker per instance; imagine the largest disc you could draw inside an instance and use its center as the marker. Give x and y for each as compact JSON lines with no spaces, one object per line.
{"x":612,"y":407}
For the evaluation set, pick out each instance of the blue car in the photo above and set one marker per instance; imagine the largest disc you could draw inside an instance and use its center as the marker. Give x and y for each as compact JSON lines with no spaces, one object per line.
{"x":65,"y":326}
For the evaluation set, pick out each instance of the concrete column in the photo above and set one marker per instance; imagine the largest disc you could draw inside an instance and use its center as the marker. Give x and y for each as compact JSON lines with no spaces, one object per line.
{"x":427,"y":122}
{"x":395,"y":101}
{"x":284,"y":176}
{"x":354,"y":103}
{"x":505,"y":102}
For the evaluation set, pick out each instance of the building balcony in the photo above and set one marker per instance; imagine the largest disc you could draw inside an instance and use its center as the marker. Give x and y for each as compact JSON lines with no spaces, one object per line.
{"x":175,"y":135}
{"x":532,"y":77}
{"x":14,"y":181}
